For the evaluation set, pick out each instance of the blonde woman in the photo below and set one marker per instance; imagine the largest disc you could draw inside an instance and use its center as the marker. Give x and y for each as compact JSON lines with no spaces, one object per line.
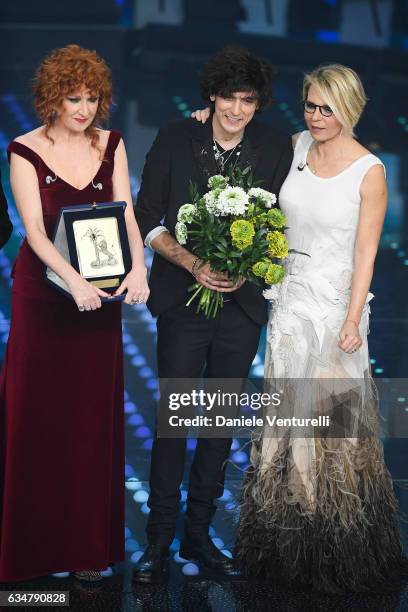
{"x":320,"y":511}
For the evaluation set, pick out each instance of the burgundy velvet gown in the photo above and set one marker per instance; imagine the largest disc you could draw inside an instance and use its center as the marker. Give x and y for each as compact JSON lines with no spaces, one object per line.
{"x":61,"y":412}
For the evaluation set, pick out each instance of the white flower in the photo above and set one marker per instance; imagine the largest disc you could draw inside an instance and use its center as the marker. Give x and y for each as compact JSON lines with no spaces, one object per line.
{"x":181,"y":232}
{"x":211,"y":203}
{"x":232,"y":201}
{"x":266,"y":197}
{"x":186,"y":213}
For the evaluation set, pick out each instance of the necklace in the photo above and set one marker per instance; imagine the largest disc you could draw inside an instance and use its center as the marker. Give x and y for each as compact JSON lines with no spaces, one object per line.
{"x":313,"y":170}
{"x":51,"y":179}
{"x":219,"y":155}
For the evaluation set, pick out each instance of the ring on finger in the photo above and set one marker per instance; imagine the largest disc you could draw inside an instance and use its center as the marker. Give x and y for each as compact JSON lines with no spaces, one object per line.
{"x":81,"y":307}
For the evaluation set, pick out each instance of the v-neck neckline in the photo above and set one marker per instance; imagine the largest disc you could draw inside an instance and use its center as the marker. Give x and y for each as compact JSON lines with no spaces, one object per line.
{"x":60,"y":177}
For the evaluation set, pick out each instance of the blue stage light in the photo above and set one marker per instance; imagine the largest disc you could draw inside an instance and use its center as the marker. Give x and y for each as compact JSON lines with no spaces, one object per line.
{"x":128,"y":533}
{"x":328,"y":36}
{"x":191,"y":444}
{"x":143,"y":432}
{"x":61,"y":575}
{"x":226,"y":495}
{"x":145,"y":509}
{"x":175,"y":545}
{"x":183,"y":493}
{"x":239,"y":457}
{"x":258,"y":371}
{"x":190,"y":569}
{"x":131,"y":349}
{"x":131,"y":545}
{"x":147,"y":444}
{"x":230,"y":507}
{"x":129,"y":471}
{"x":151,"y":383}
{"x":218,"y":542}
{"x":235,"y":444}
{"x":146,"y":372}
{"x":179,"y":559}
{"x":138,"y":360}
{"x":136,"y":556}
{"x":227,"y":552}
{"x":133,"y":484}
{"x":141,"y":496}
{"x":135,"y":419}
{"x":130,"y":407}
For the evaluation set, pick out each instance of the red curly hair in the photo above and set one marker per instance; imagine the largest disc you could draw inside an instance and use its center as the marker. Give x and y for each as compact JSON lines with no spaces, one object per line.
{"x":65,"y":71}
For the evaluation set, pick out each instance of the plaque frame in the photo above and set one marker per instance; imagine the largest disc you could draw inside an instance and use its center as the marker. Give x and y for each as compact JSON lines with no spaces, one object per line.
{"x":93,"y":239}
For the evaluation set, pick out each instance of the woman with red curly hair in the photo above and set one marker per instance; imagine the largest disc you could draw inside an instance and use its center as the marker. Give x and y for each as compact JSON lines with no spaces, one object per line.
{"x":61,"y":389}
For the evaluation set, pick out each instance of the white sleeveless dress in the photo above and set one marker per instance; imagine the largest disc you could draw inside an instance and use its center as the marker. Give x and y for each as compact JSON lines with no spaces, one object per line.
{"x":319,"y":512}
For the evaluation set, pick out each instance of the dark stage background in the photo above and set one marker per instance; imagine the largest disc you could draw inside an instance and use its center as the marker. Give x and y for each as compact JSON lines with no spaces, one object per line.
{"x":155,"y":48}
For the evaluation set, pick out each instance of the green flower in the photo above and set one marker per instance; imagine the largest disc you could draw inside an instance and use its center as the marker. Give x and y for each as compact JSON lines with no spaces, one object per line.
{"x":260,"y":268}
{"x":242,"y":233}
{"x":218,"y":181}
{"x":275,"y":274}
{"x":276,"y":218}
{"x":181,"y":232}
{"x":186,"y":213}
{"x":277,"y":245}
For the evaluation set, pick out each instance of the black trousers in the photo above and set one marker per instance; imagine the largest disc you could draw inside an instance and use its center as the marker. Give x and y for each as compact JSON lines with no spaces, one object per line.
{"x":189,"y":345}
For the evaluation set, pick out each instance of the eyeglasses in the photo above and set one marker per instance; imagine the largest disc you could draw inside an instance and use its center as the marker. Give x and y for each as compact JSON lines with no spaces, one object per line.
{"x":310,"y":107}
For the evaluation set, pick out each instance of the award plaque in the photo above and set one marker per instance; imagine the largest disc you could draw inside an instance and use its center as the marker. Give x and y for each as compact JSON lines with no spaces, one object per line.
{"x":93,"y":239}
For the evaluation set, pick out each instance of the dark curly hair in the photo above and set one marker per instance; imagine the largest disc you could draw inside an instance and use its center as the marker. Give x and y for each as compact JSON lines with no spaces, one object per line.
{"x":236,"y":69}
{"x":66,"y":70}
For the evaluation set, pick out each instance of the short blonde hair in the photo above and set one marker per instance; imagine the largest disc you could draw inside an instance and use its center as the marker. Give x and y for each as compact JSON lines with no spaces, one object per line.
{"x":339,"y":87}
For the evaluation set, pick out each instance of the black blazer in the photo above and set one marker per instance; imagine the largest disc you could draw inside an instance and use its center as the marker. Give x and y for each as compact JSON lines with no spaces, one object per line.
{"x":182,"y":151}
{"x":5,"y":224}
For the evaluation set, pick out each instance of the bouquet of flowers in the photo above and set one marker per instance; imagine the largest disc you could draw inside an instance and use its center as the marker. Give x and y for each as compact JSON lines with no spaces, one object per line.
{"x":236,"y":229}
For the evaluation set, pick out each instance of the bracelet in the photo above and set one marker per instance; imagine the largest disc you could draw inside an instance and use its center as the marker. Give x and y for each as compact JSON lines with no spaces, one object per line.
{"x":197,"y":259}
{"x":352,"y":321}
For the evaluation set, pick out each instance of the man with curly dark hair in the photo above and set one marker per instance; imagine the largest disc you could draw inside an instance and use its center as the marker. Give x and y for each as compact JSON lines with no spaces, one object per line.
{"x":238,"y":85}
